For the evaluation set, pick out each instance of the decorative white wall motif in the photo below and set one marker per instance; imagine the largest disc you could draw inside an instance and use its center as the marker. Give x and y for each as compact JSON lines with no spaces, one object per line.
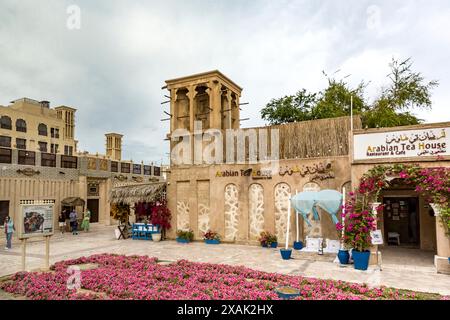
{"x":182,"y":215}
{"x":231,"y":212}
{"x":316,"y":227}
{"x":282,"y":192}
{"x":203,"y":208}
{"x":203,"y":219}
{"x":256,"y":210}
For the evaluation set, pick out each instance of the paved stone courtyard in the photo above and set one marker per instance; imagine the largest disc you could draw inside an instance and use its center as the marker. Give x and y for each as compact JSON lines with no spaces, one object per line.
{"x":418,"y":274}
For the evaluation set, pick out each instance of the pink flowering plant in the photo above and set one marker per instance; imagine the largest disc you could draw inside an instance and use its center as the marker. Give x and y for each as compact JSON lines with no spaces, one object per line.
{"x":120,"y":277}
{"x":266,"y":238}
{"x":358,"y":223}
{"x":433,"y":183}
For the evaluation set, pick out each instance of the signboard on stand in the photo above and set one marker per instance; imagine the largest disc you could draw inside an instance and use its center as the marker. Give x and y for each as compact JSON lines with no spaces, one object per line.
{"x":377,"y":237}
{"x":401,"y":144}
{"x":36,"y":220}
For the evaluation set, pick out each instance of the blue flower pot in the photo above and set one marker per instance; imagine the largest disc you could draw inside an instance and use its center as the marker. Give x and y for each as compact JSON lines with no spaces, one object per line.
{"x":286,"y":253}
{"x":274,"y":245}
{"x":298,"y":245}
{"x":212,"y":241}
{"x":180,"y":240}
{"x":287,"y":296}
{"x":361,"y":259}
{"x":343,"y":256}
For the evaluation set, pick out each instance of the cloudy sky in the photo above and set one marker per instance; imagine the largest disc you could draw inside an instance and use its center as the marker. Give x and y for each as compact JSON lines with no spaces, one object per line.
{"x":113,"y":67}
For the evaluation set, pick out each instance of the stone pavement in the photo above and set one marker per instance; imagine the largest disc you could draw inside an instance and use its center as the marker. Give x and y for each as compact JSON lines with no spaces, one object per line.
{"x":101,"y":240}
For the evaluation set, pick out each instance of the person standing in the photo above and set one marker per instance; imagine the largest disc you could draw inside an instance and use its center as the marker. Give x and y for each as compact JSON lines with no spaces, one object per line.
{"x":86,"y":220}
{"x":73,"y":221}
{"x":62,"y":222}
{"x":9,"y":230}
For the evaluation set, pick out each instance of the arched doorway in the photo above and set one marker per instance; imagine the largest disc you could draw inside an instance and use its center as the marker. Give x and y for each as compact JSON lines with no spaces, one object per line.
{"x":408,"y":225}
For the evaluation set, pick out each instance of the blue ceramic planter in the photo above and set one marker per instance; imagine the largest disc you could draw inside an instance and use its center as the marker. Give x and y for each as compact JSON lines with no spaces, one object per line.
{"x":286,"y":254}
{"x":212,"y":241}
{"x":180,"y":240}
{"x":286,"y":296}
{"x":298,"y":245}
{"x":274,"y":245}
{"x":361,"y":259}
{"x":343,"y":256}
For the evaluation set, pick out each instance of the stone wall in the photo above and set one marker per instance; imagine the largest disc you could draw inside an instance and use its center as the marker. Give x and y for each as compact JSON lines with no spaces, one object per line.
{"x":240,"y":206}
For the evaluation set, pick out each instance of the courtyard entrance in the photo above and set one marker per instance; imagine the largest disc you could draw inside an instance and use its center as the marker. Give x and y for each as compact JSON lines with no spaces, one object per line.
{"x":401,"y":221}
{"x":93,"y":206}
{"x":408,"y":257}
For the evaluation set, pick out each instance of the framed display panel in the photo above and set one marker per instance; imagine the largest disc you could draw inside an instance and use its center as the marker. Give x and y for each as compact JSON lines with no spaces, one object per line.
{"x":36,"y":219}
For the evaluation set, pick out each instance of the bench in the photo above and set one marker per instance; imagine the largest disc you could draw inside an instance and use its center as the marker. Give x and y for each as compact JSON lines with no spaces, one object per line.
{"x":141,"y":231}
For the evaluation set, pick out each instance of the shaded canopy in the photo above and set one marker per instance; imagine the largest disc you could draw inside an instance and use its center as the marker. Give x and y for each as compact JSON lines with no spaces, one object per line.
{"x":328,"y":200}
{"x":131,"y":194}
{"x":73,"y":202}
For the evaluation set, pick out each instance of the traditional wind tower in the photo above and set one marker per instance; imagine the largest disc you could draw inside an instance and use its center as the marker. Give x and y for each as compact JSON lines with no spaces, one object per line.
{"x":114,"y":146}
{"x":209,"y":97}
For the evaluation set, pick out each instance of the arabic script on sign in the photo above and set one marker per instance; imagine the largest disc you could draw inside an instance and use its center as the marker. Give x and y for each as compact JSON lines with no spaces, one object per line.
{"x":412,"y":143}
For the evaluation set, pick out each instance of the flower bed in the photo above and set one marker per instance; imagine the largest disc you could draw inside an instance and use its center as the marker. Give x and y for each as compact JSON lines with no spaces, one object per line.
{"x":140,"y":277}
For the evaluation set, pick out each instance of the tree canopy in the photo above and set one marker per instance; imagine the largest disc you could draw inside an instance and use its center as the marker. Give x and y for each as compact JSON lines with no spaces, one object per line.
{"x":405,"y":92}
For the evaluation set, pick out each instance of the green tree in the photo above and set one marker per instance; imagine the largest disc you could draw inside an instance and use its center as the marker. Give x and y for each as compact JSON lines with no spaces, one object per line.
{"x":407,"y":91}
{"x":335,"y":100}
{"x":293,"y":108}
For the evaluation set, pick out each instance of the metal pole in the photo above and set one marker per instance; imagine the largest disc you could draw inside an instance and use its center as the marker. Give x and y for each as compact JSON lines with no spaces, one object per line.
{"x":343,"y":218}
{"x":296,"y":220}
{"x":24,"y":250}
{"x":47,"y":252}
{"x":288,"y":222}
{"x":351,"y":113}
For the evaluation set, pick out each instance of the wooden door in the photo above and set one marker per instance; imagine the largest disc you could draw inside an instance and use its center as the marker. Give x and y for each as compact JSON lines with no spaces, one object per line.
{"x":4,"y":210}
{"x":92,"y":205}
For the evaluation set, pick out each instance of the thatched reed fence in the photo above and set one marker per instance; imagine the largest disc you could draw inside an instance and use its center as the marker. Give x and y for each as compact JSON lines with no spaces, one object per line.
{"x":131,"y":194}
{"x":318,"y":138}
{"x":311,"y":139}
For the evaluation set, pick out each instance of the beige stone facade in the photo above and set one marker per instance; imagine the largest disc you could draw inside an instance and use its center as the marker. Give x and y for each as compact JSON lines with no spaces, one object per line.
{"x":432,"y":236}
{"x":239,"y":202}
{"x":33,"y":174}
{"x":34,"y":126}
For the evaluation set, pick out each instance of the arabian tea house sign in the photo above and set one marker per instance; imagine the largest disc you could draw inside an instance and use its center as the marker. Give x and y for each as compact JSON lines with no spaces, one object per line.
{"x":400,"y":144}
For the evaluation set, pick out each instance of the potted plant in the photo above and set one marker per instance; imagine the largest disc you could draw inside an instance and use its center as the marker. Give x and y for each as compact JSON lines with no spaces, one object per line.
{"x":161,"y":216}
{"x":298,"y":245}
{"x":359,"y":222}
{"x":185,"y":236}
{"x":343,"y":256}
{"x":156,"y":237}
{"x":211,"y":237}
{"x":268,"y":239}
{"x":286,"y":253}
{"x":287,"y":293}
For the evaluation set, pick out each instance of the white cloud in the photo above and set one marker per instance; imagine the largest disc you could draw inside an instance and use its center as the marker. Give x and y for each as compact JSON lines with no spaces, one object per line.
{"x":113,"y":68}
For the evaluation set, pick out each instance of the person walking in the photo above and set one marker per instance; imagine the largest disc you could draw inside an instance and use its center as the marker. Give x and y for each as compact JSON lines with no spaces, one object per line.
{"x":62,"y":222}
{"x":9,"y":230}
{"x":73,"y":222}
{"x":86,"y":220}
